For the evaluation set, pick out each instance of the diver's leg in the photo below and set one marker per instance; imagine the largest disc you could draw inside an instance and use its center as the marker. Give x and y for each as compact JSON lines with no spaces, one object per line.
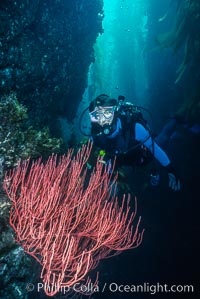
{"x":164,"y":136}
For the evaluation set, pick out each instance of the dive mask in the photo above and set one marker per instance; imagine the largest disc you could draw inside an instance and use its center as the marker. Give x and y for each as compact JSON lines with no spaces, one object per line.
{"x":102,"y":115}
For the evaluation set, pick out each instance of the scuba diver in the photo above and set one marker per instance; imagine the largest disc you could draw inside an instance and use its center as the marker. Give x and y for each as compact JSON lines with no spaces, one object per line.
{"x":119,"y":129}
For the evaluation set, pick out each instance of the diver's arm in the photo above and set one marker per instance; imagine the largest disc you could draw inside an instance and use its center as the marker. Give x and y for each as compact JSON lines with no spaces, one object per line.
{"x":142,"y":135}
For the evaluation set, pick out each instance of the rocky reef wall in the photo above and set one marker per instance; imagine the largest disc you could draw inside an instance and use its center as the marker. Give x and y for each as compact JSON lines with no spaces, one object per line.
{"x":46,"y":48}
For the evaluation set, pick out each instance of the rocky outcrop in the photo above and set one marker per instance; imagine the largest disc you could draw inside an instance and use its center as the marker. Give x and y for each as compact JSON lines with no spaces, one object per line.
{"x":45,"y":51}
{"x":46,"y":48}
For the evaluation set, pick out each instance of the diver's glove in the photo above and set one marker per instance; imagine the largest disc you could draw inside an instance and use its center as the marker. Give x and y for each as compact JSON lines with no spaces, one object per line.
{"x":108,"y":165}
{"x":174,"y":181}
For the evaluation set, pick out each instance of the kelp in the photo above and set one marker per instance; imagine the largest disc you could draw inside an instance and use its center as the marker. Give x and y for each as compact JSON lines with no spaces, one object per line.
{"x":185,"y":34}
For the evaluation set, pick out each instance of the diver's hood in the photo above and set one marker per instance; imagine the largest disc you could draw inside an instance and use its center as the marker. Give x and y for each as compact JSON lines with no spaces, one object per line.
{"x":102,"y":100}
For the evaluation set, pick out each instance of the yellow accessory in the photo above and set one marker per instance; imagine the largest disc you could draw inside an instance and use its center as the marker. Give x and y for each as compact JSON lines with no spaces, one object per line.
{"x":102,"y":153}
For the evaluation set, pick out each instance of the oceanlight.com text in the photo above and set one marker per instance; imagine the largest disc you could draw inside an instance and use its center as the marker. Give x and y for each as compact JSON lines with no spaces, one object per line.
{"x":151,"y":288}
{"x":114,"y":287}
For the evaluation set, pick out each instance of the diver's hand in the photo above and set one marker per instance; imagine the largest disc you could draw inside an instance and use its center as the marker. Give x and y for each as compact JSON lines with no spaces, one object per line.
{"x":174,"y":182}
{"x":108,"y":165}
